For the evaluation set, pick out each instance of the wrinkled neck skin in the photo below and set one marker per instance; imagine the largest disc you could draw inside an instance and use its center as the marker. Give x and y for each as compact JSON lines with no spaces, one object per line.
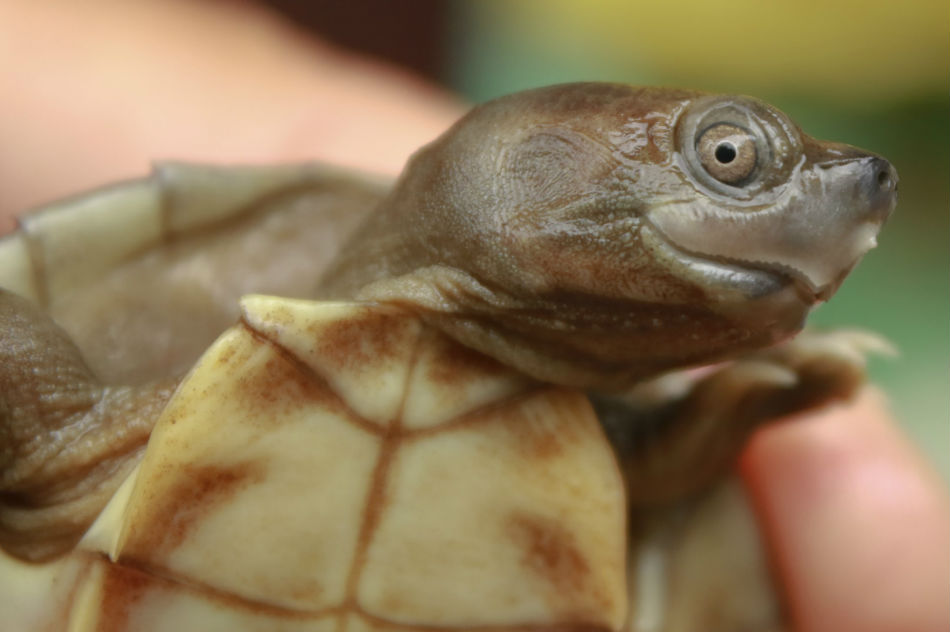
{"x":572,"y":233}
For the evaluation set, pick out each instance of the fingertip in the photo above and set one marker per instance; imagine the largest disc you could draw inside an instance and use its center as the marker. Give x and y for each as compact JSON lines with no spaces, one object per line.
{"x":857,"y":522}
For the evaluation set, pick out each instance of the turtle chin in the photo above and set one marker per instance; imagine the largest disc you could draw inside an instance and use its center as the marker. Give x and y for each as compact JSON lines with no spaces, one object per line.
{"x":729,"y":285}
{"x":768,"y":301}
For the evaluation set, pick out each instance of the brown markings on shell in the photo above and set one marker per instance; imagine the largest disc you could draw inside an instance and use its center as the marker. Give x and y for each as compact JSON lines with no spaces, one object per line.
{"x":535,"y":443}
{"x":282,"y":383}
{"x":531,"y":434}
{"x":273,"y":390}
{"x":552,"y":554}
{"x":364,"y":339}
{"x":285,"y":377}
{"x":166,"y":580}
{"x":549,"y":551}
{"x":226,"y":353}
{"x":173,"y":514}
{"x":453,"y":365}
{"x":122,"y":588}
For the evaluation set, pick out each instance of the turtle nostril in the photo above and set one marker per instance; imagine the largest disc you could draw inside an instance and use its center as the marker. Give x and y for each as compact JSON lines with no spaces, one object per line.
{"x":880,"y":185}
{"x":886,"y":176}
{"x":884,"y":180}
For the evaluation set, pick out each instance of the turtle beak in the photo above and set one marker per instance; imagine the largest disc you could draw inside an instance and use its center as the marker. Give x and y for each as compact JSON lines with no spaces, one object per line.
{"x":876,"y":193}
{"x":858,"y":190}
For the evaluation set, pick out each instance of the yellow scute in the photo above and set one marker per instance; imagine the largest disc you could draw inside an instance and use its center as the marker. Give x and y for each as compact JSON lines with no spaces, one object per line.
{"x":337,"y":466}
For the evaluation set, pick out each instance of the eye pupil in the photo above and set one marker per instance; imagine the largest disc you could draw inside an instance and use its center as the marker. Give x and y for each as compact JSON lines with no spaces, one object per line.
{"x":726,"y":153}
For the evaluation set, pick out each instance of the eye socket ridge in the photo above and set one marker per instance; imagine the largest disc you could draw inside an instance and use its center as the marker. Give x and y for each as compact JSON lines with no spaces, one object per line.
{"x":756,"y":174}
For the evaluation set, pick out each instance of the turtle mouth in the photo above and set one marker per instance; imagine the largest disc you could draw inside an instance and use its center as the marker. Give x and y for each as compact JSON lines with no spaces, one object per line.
{"x":719,"y":275}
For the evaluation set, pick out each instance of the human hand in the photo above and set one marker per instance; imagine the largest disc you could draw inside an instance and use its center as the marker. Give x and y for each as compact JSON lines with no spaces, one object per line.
{"x":94,"y":95}
{"x":857,"y":521}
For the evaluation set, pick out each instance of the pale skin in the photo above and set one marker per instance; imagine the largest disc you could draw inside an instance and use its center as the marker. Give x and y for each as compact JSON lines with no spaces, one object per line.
{"x":858,"y":523}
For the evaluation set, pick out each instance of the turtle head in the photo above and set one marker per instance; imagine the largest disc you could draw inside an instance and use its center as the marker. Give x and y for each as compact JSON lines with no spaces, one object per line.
{"x":594,"y":234}
{"x":758,"y":195}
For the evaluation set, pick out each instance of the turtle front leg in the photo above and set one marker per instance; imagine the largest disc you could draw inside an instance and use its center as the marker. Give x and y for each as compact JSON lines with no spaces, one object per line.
{"x":66,"y":440}
{"x":680,"y":433}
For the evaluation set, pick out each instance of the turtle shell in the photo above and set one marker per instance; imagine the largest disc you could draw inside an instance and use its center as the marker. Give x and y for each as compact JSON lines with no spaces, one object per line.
{"x":144,"y":275}
{"x":342,"y":466}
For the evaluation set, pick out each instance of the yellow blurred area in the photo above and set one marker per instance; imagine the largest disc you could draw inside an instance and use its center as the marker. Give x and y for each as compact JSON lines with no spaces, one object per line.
{"x":840,"y":48}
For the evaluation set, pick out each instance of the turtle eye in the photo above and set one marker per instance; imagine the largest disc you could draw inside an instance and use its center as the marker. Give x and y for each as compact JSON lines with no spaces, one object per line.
{"x":727,"y":152}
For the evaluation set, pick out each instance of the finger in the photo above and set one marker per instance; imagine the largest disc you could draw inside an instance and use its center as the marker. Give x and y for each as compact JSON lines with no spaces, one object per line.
{"x":91,"y":95}
{"x":858,"y":524}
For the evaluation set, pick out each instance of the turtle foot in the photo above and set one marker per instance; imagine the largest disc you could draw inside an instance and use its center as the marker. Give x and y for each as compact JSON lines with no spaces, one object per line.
{"x":682,"y":432}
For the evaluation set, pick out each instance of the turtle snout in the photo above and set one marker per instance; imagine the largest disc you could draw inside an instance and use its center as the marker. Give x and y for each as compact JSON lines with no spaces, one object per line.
{"x":880,"y":186}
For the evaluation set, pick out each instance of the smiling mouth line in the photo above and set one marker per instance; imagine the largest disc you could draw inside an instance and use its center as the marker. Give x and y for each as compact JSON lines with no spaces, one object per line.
{"x":755,"y":278}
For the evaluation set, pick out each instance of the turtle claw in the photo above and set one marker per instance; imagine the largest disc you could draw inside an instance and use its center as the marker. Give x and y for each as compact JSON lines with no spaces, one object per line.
{"x":829,"y":366}
{"x":678,"y":432}
{"x":840,"y":346}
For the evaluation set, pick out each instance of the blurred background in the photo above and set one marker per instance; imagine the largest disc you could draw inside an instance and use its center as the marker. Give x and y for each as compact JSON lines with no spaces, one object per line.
{"x":872,"y":73}
{"x":90,"y":95}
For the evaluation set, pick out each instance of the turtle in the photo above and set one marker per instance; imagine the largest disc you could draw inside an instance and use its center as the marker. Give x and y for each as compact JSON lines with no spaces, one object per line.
{"x":505,"y":390}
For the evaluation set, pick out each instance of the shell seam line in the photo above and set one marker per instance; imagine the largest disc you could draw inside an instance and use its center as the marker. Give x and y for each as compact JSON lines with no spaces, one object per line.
{"x":376,"y":494}
{"x":167,"y":576}
{"x":478,"y":414}
{"x":306,"y":370}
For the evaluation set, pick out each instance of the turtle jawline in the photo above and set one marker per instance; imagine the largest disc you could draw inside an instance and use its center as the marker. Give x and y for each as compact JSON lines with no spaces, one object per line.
{"x":753,"y":278}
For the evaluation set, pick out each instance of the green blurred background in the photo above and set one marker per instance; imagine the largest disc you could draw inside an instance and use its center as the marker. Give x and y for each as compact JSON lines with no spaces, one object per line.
{"x":870,"y":73}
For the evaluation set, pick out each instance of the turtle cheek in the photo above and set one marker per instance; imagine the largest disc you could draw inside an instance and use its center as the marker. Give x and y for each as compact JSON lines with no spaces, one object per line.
{"x":574,"y":257}
{"x":529,"y":267}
